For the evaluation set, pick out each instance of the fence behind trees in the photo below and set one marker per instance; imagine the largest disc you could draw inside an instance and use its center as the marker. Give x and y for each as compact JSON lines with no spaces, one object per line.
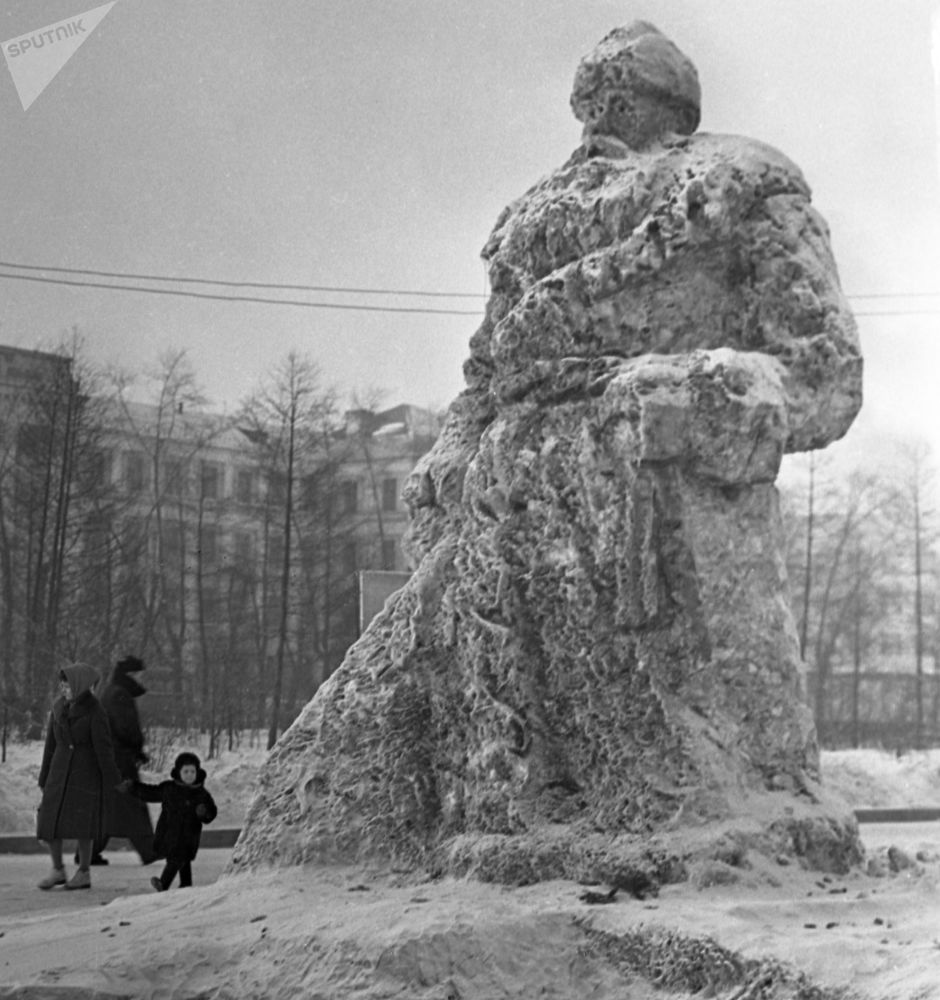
{"x":863,"y":561}
{"x":878,"y":709}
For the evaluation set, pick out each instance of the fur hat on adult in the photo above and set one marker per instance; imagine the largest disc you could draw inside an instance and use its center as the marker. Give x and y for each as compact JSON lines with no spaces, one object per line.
{"x":122,"y":673}
{"x":130,"y":665}
{"x":187,"y":757}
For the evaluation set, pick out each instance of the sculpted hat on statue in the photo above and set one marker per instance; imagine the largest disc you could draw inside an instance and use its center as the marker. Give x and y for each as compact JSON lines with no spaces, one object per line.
{"x":636,"y":85}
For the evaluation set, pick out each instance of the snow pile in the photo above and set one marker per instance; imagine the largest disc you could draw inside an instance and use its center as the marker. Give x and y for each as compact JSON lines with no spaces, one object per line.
{"x":19,"y":793}
{"x":864,"y":778}
{"x":231,"y":776}
{"x":878,"y":779}
{"x":342,"y":931}
{"x":346,"y":932}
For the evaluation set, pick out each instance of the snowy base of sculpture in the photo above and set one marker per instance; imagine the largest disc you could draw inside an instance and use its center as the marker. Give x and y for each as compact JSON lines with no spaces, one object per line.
{"x":824,"y":838}
{"x":815,"y":831}
{"x":375,"y":771}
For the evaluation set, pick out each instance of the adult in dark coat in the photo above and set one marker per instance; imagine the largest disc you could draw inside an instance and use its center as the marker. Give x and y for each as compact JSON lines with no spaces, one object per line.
{"x":186,"y":805}
{"x":77,"y":770}
{"x":130,"y":817}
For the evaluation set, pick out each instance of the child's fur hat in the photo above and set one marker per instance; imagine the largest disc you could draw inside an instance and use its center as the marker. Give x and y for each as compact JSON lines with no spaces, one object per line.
{"x":188,"y":757}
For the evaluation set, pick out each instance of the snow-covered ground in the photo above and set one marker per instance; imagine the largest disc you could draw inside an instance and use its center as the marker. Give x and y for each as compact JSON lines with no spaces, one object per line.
{"x":359,"y":933}
{"x":876,"y":778}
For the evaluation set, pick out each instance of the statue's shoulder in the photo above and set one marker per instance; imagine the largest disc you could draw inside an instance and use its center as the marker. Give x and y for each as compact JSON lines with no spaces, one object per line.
{"x":602,"y":161}
{"x":577,"y":173}
{"x":752,"y":162}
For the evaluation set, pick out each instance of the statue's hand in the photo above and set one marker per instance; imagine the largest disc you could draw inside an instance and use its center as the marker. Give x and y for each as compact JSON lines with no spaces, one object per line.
{"x":723,"y":413}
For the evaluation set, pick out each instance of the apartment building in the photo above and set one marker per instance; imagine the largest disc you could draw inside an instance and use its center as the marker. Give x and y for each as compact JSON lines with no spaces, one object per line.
{"x":197,"y":539}
{"x":38,"y":405}
{"x":198,"y":467}
{"x":22,"y":374}
{"x":383,"y":449}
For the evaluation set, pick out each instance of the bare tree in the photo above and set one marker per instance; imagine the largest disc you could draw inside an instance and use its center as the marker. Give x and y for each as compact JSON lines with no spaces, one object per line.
{"x":860,"y":501}
{"x":366,"y":404}
{"x":919,"y":518}
{"x":46,"y":489}
{"x":808,"y":567}
{"x":160,"y":440}
{"x":843,"y":599}
{"x":871,"y":599}
{"x":329,"y":533}
{"x":283,"y":418}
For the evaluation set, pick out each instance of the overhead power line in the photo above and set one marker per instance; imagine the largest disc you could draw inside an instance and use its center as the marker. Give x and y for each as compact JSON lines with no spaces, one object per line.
{"x":275,"y":286}
{"x":243,"y":284}
{"x":898,"y":312}
{"x":894,"y":295}
{"x":335,"y":289}
{"x":303,"y":303}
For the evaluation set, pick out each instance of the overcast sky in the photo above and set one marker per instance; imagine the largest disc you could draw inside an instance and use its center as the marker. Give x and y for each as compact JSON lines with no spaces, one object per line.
{"x":373,"y":143}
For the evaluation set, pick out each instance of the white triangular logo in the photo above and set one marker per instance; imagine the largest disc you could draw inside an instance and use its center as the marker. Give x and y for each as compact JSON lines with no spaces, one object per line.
{"x":35,"y":58}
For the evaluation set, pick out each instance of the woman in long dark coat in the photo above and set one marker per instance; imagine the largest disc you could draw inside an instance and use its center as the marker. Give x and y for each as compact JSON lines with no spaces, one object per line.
{"x":130,"y":817}
{"x":77,"y":766}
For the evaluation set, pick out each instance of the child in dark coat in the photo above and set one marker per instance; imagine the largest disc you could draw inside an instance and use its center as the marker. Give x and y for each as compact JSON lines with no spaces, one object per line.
{"x":186,"y":805}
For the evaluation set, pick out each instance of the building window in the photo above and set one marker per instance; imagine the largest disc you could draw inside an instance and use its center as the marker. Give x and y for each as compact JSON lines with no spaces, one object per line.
{"x":174,"y":477}
{"x":172,"y":545}
{"x":389,"y":494}
{"x":211,"y":598}
{"x":349,"y":496}
{"x":277,"y":488}
{"x":245,"y":486}
{"x":349,"y":558}
{"x":892,"y":644}
{"x":211,"y":481}
{"x":276,"y":550}
{"x":389,"y":551}
{"x":209,"y":546}
{"x":135,"y":472}
{"x":244,"y":546}
{"x":99,"y":469}
{"x":134,"y":539}
{"x":98,"y":537}
{"x":310,"y":491}
{"x":32,"y":440}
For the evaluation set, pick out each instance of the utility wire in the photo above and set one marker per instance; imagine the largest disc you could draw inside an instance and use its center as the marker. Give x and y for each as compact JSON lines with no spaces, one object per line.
{"x":337,"y":289}
{"x":241,"y":298}
{"x":894,"y":295}
{"x":273,"y":286}
{"x":242,"y":284}
{"x":898,"y":312}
